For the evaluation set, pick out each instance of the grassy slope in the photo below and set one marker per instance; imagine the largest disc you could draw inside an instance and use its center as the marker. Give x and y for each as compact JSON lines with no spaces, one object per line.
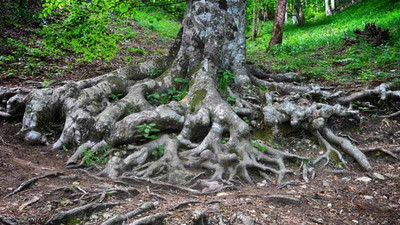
{"x":317,"y":48}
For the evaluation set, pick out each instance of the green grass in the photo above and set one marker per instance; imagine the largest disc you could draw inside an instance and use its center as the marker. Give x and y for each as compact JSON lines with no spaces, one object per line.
{"x":317,"y":49}
{"x":158,"y":22}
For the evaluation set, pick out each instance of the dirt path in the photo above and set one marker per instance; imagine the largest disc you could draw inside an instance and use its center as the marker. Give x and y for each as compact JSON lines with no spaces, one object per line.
{"x":330,"y":198}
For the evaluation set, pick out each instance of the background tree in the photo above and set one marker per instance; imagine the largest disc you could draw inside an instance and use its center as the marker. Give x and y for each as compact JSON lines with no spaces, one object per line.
{"x":277,"y":33}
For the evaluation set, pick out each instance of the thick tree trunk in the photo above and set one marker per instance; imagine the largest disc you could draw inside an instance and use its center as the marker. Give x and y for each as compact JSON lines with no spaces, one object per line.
{"x":277,"y":33}
{"x":201,"y":132}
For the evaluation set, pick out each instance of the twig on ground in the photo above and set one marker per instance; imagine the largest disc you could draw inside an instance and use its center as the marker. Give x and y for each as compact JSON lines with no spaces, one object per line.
{"x":29,"y":182}
{"x":183,"y":204}
{"x":154,"y":195}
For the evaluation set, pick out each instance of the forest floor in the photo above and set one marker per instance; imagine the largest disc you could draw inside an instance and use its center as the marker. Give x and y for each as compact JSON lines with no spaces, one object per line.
{"x":334,"y":196}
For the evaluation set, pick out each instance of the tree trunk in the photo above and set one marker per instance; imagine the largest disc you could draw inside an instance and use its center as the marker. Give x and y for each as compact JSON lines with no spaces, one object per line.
{"x":277,"y":33}
{"x":175,"y":139}
{"x":298,"y":12}
{"x":256,"y":20}
{"x":328,"y":10}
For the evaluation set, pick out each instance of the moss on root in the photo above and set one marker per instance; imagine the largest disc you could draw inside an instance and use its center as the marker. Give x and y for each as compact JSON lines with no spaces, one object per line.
{"x":198,"y":98}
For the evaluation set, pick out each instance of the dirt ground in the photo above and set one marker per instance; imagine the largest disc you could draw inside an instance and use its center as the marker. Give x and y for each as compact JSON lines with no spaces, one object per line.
{"x":334,"y":196}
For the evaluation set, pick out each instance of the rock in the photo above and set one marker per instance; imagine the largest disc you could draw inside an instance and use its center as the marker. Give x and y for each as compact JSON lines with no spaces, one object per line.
{"x":346,"y":178}
{"x":378,"y":176}
{"x":368,"y":197}
{"x":364,"y":179}
{"x":222,"y":194}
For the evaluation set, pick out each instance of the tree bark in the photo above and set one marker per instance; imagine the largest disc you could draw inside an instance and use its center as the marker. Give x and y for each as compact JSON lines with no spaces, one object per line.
{"x":328,"y":10}
{"x":277,"y":33}
{"x":298,"y":12}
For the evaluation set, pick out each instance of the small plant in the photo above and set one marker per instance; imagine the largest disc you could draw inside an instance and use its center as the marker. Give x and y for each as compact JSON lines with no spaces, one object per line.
{"x":46,"y":83}
{"x":158,"y":152}
{"x":153,"y":98}
{"x":262,"y":148}
{"x":65,"y":149}
{"x":115,"y":97}
{"x":92,"y":157}
{"x":147,"y":131}
{"x":155,"y":72}
{"x":231,"y":99}
{"x":225,"y":78}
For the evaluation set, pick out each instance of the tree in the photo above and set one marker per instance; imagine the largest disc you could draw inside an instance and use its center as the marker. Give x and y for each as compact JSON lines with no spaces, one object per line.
{"x":209,"y":129}
{"x":277,"y":32}
{"x":298,"y":12}
{"x":328,"y":9}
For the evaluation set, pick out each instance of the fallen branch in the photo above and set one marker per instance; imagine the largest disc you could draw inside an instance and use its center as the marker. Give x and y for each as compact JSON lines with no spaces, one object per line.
{"x":120,"y":219}
{"x":391,"y":115}
{"x":31,"y":181}
{"x":381,"y":149}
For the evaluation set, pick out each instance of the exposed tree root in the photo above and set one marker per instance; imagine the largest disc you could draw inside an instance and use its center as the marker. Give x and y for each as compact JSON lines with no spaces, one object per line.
{"x":246,"y":220}
{"x":202,"y":140}
{"x":282,"y":199}
{"x":150,"y":220}
{"x":64,"y":217}
{"x":120,"y":219}
{"x":31,"y":181}
{"x":182,"y":204}
{"x":6,"y":221}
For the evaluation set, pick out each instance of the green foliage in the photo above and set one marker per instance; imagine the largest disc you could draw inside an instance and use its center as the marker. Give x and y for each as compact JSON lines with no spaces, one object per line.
{"x":262,"y":148}
{"x":319,"y":51}
{"x":115,"y":97}
{"x":225,"y":77}
{"x":92,"y":157}
{"x":158,"y":152}
{"x":147,"y":131}
{"x":173,"y":94}
{"x":46,"y":83}
{"x":155,"y":72}
{"x":231,"y":99}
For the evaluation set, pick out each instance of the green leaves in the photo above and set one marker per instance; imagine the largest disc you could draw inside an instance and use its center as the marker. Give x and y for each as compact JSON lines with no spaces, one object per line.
{"x":224,"y":79}
{"x":115,"y":97}
{"x":262,"y":148}
{"x":147,"y":131}
{"x":158,"y":152}
{"x":92,"y":157}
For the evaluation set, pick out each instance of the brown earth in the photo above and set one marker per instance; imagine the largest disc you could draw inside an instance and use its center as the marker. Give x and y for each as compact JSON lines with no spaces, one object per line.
{"x":331,"y":198}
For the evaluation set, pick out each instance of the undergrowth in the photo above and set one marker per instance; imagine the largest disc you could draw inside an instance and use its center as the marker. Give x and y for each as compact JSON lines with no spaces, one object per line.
{"x":318,"y":49}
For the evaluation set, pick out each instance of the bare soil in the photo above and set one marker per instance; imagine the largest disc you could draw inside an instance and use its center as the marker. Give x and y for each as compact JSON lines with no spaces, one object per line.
{"x":330,"y":198}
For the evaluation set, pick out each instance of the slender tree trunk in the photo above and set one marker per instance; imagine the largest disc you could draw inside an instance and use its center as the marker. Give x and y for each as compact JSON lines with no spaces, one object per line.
{"x":265,"y":17}
{"x":277,"y":33}
{"x":256,"y":20}
{"x":333,"y":5}
{"x":286,"y":13}
{"x":328,"y":10}
{"x":298,"y":12}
